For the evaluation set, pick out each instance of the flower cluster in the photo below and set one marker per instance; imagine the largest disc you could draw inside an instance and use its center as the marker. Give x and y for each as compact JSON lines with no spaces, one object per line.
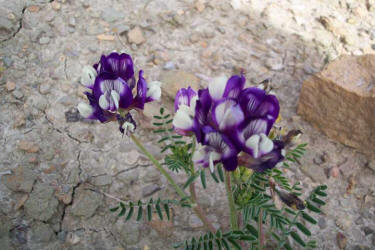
{"x":112,"y":84}
{"x":230,"y":121}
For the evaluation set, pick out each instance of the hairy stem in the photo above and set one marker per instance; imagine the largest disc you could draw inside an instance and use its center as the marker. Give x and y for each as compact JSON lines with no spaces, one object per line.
{"x":260,"y":229}
{"x":179,"y":191}
{"x":232,"y":206}
{"x":198,"y":211}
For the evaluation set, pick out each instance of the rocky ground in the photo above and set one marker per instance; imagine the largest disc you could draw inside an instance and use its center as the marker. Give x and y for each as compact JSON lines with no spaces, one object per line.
{"x":48,"y":200}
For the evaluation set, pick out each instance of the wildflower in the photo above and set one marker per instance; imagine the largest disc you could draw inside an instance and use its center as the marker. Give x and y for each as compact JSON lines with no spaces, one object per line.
{"x":112,"y":82}
{"x":228,"y":119}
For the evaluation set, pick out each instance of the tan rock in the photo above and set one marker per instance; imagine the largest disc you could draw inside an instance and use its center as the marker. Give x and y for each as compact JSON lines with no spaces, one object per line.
{"x":28,"y":146}
{"x":10,"y":85}
{"x":340,"y":101}
{"x":136,"y":36}
{"x":104,"y":37}
{"x":175,"y":80}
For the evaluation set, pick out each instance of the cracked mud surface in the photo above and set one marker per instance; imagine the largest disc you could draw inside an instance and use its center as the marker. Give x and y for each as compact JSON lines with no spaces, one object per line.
{"x":61,"y":165}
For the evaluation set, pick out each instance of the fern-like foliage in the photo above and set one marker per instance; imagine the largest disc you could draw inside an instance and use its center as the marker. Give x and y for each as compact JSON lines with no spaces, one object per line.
{"x":229,"y":240}
{"x":140,"y":208}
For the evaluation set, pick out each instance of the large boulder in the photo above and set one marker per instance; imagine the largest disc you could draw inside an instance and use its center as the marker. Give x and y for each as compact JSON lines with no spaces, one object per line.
{"x":340,"y":101}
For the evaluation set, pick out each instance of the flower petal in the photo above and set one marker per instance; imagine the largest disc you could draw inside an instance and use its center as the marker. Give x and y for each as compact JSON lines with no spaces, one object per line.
{"x":234,"y":86}
{"x":153,"y":91}
{"x":86,"y":111}
{"x":121,"y":65}
{"x":140,"y":99}
{"x":269,"y":160}
{"x":227,"y":114}
{"x":216,"y":87}
{"x":184,"y":97}
{"x":183,"y":121}
{"x":88,"y":76}
{"x":250,"y":99}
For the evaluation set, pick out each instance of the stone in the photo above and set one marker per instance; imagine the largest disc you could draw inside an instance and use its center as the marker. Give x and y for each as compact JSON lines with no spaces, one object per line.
{"x":129,"y":232}
{"x":56,"y":5}
{"x":169,"y":65}
{"x":85,"y":203}
{"x":72,"y":238}
{"x":101,"y":180}
{"x":152,"y":175}
{"x":111,"y":15}
{"x":128,"y":177}
{"x":42,"y":204}
{"x":341,"y":240}
{"x":41,"y":232}
{"x":322,"y":223}
{"x":316,"y":173}
{"x":10,"y":86}
{"x":17,"y":94}
{"x":72,"y":22}
{"x":28,"y":146}
{"x":199,"y":5}
{"x":367,"y":230}
{"x":334,"y":172}
{"x":44,"y":40}
{"x":136,"y":36}
{"x":165,"y":227}
{"x":174,"y":80}
{"x":104,"y":37}
{"x":22,"y":179}
{"x":340,"y":101}
{"x":275,"y":64}
{"x":44,"y":88}
{"x":344,"y":222}
{"x":121,"y":29}
{"x":195,"y":222}
{"x":150,"y":189}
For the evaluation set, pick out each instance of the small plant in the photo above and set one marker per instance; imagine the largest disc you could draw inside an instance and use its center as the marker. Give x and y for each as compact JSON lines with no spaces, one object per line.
{"x":226,"y":128}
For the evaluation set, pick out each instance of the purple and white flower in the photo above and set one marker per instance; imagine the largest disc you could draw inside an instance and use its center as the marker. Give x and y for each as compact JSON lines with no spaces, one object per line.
{"x":111,"y":82}
{"x":228,"y":119}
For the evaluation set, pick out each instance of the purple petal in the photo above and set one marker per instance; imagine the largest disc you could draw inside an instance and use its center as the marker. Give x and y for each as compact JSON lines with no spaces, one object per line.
{"x":107,"y":84}
{"x":231,"y":163}
{"x":98,"y":113}
{"x":219,"y":142}
{"x":140,"y":99}
{"x":184,"y":97}
{"x":268,"y":108}
{"x":248,"y":128}
{"x":227,"y":114}
{"x":234,"y":86}
{"x":270,"y":160}
{"x":120,"y":65}
{"x":250,"y":99}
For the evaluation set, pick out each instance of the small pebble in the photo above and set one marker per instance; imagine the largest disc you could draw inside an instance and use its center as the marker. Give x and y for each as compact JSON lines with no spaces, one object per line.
{"x":11,"y":86}
{"x":17,"y":94}
{"x":44,"y":40}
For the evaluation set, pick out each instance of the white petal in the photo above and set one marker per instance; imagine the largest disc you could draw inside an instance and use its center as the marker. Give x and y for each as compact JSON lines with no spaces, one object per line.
{"x":85,"y":110}
{"x":88,"y":76}
{"x":182,"y":120}
{"x":115,"y":97}
{"x":154,"y":90}
{"x":227,"y":114}
{"x":214,"y":156}
{"x":265,"y":145}
{"x":217,"y":86}
{"x":193,"y":103}
{"x":283,"y":152}
{"x":199,"y":155}
{"x":103,"y":103}
{"x":127,"y":126}
{"x":253,"y":144}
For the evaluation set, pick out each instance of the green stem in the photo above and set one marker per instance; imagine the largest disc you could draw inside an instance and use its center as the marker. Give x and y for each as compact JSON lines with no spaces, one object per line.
{"x":260,"y":229}
{"x":232,"y":206}
{"x":179,"y":191}
{"x":198,"y":211}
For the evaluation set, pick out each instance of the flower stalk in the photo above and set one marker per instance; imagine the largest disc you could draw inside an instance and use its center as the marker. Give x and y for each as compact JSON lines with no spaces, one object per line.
{"x":232,"y":206}
{"x":198,"y":211}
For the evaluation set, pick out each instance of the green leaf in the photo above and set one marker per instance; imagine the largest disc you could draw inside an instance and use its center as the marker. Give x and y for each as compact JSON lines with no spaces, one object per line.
{"x":312,"y":207}
{"x":290,"y":211}
{"x":287,"y":247}
{"x":221,"y":172}
{"x":210,"y":245}
{"x":248,"y":238}
{"x":320,"y":193}
{"x":297,"y":238}
{"x":234,"y":243}
{"x":158,"y":123}
{"x":123,"y":210}
{"x":190,"y":180}
{"x":318,"y":201}
{"x":303,"y":229}
{"x":203,"y":178}
{"x":114,"y":209}
{"x":149,"y":212}
{"x":166,"y":208}
{"x":252,"y":230}
{"x":131,"y":210}
{"x":218,"y":244}
{"x":140,"y":211}
{"x":308,"y":218}
{"x":323,"y":187}
{"x":225,"y":244}
{"x":161,"y":110}
{"x":158,"y":210}
{"x":158,"y":117}
{"x":214,"y":177}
